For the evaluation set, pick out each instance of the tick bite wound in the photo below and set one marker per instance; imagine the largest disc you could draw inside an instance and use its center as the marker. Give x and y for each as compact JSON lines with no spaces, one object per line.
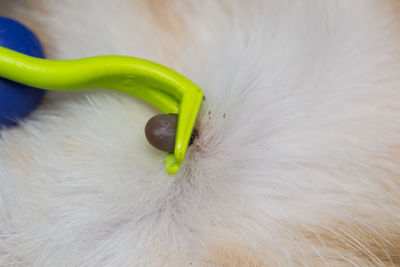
{"x":160,"y":131}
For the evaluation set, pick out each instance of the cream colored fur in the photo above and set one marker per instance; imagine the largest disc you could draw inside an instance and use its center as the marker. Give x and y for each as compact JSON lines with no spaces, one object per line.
{"x":297,"y":162}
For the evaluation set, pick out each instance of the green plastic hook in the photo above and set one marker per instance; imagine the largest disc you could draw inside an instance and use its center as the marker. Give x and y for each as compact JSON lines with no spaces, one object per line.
{"x":160,"y":86}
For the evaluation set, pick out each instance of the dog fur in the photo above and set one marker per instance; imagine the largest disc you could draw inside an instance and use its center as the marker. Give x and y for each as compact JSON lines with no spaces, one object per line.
{"x":297,"y":162}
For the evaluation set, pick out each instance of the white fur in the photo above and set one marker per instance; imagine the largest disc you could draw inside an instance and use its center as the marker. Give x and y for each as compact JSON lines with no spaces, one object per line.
{"x":309,"y":140}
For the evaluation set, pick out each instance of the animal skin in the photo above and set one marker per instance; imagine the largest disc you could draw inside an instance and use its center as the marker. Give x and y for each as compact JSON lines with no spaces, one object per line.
{"x":297,"y":162}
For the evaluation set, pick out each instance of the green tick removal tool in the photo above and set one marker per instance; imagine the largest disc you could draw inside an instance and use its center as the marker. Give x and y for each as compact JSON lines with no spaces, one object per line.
{"x":158,"y":85}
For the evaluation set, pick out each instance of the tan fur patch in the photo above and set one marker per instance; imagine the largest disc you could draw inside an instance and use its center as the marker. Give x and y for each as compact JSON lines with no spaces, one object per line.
{"x":169,"y":27}
{"x":235,"y":255}
{"x":340,"y":245}
{"x":358,"y":244}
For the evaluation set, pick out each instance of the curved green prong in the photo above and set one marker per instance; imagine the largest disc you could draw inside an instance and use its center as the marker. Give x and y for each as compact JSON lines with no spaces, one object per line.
{"x":160,"y":86}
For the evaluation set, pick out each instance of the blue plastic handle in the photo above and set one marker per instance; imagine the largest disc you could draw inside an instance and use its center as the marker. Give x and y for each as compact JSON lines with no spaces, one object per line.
{"x":17,"y":100}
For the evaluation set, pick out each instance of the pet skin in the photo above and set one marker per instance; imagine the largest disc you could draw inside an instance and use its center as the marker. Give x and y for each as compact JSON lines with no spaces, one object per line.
{"x":297,"y":162}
